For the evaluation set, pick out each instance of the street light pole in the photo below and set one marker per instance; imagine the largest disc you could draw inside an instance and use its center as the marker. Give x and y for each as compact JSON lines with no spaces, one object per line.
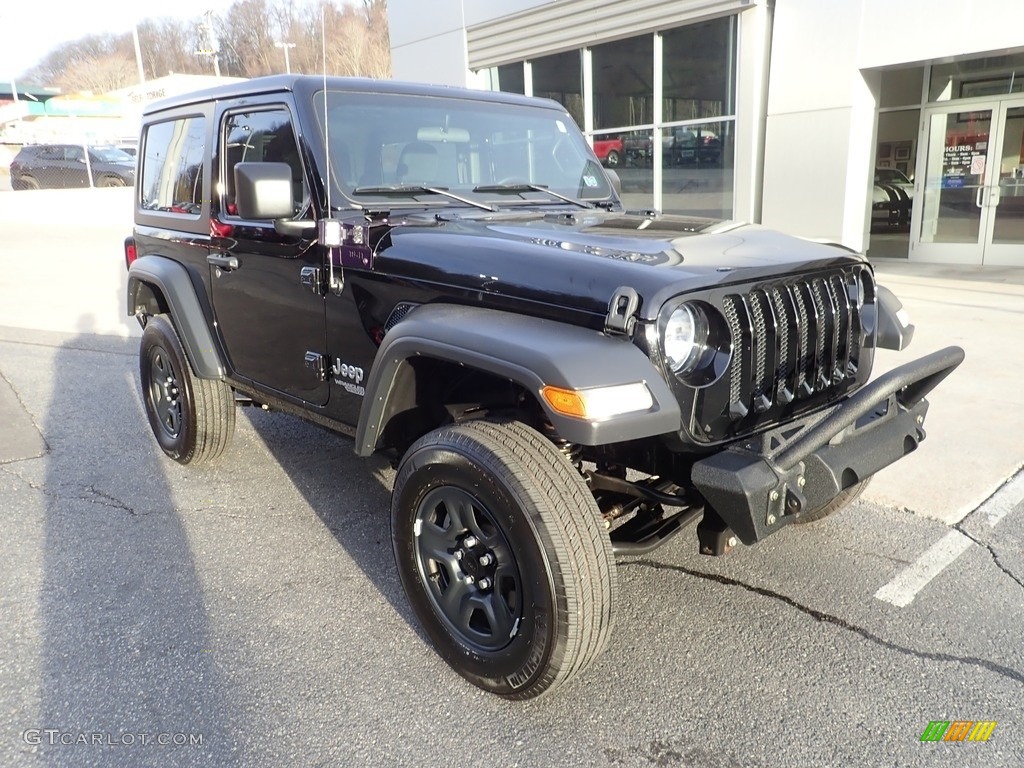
{"x":287,"y":61}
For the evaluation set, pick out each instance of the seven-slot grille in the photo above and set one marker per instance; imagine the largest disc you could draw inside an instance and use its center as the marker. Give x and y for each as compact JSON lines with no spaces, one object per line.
{"x":793,"y":341}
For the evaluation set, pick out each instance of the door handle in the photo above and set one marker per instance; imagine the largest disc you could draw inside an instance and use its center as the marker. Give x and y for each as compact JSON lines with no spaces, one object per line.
{"x":977,"y":197}
{"x":227,"y":263}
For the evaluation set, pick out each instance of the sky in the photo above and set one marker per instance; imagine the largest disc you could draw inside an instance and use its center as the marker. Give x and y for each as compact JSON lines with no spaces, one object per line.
{"x":26,"y":41}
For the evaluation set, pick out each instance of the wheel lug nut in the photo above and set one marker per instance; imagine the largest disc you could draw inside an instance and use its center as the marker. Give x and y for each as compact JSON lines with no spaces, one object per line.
{"x":484,"y":583}
{"x":486,"y":559}
{"x":459,"y":554}
{"x":471,"y":541}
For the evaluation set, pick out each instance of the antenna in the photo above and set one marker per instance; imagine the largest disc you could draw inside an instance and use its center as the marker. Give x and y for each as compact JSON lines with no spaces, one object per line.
{"x":327,"y":145}
{"x":329,"y":229}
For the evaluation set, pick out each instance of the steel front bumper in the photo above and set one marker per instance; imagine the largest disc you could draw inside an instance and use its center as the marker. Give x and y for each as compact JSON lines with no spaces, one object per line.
{"x":759,"y":486}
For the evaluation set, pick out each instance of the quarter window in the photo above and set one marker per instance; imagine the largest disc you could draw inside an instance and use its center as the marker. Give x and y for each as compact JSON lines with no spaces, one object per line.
{"x":172,"y":166}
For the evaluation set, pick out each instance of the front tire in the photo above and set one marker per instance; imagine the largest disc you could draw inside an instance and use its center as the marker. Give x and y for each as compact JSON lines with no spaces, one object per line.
{"x":192,"y":419}
{"x":500,"y":549}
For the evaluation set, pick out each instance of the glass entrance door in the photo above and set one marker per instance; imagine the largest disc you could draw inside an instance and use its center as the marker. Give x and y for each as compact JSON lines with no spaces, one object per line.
{"x":971,"y":207}
{"x":1004,"y":198}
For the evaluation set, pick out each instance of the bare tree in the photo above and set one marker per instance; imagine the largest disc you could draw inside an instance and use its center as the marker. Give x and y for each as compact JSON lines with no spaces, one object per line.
{"x":356,"y":35}
{"x":169,"y":46}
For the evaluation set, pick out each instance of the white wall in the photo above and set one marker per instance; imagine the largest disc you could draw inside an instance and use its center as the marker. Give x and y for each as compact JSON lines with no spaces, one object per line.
{"x":821,"y":109}
{"x":428,"y":39}
{"x":899,"y":31}
{"x":820,"y":124}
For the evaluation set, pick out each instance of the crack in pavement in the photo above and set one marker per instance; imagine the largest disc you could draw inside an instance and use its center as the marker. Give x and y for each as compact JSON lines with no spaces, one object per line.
{"x":991,"y":550}
{"x":95,"y":496}
{"x":828,"y":618}
{"x":106,"y":500}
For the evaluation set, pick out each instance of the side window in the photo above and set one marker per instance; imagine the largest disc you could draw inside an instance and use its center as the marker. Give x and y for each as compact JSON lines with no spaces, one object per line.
{"x":172,"y":166}
{"x":73,"y":154}
{"x":263,"y":136}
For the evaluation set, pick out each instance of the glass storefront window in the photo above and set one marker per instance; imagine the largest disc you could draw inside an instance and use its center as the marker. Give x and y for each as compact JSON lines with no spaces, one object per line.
{"x":697,"y":74}
{"x":636,"y":170}
{"x":560,"y":77}
{"x":989,"y":76}
{"x":901,"y":87}
{"x":624,"y":82}
{"x":507,"y":77}
{"x":697,"y":169}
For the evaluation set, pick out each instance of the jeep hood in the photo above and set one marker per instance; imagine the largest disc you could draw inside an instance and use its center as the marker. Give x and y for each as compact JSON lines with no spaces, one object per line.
{"x":579,"y":259}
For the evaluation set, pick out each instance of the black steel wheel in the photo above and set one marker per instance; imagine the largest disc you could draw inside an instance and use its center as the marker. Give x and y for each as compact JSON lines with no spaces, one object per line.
{"x":500,"y":549}
{"x":468,"y":568}
{"x":192,"y":419}
{"x":843,"y":499}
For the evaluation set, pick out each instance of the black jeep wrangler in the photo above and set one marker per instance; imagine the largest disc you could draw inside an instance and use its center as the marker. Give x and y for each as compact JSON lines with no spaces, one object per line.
{"x":449,"y":277}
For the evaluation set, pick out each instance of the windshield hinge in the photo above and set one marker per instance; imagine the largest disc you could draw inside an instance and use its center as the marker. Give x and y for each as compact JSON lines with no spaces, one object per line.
{"x":621,"y":317}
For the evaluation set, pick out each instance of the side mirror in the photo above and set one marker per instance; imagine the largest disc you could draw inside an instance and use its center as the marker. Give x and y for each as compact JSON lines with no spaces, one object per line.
{"x":264,"y":191}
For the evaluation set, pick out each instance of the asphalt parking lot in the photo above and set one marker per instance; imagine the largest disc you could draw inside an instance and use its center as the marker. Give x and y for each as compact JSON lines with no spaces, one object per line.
{"x":250,"y":613}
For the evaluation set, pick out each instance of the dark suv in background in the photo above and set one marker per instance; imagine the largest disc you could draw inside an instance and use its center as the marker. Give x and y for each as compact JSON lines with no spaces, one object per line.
{"x":57,"y":166}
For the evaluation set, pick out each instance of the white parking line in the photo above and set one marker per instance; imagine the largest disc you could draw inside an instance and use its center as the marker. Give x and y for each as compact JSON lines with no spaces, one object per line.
{"x":915,"y":577}
{"x":902,"y":590}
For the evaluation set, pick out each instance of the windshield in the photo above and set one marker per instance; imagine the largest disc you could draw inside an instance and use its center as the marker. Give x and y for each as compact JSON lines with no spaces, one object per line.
{"x":112,"y":155}
{"x":395,"y":147}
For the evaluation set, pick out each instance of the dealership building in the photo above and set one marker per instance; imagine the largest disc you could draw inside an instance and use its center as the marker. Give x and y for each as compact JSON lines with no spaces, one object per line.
{"x":891,"y":126}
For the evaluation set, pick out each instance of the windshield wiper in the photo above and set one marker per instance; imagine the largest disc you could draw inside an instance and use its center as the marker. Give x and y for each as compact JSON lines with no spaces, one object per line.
{"x":524,"y":187}
{"x":418,"y":189}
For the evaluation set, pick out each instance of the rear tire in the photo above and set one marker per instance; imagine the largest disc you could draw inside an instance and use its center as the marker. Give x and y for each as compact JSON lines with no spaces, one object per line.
{"x":844,"y":499}
{"x":192,"y":419}
{"x":27,"y":182}
{"x":500,"y":549}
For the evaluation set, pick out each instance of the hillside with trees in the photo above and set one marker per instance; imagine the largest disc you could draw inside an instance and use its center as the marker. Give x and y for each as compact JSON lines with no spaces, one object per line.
{"x":250,"y":37}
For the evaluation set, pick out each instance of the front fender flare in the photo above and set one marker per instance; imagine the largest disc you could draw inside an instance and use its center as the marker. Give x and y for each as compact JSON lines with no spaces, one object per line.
{"x":173,"y":282}
{"x":530,"y":351}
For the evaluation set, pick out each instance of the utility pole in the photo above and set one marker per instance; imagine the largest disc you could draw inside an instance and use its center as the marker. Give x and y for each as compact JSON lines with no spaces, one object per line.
{"x":138,"y":53}
{"x":287,"y":62}
{"x":210,"y":45}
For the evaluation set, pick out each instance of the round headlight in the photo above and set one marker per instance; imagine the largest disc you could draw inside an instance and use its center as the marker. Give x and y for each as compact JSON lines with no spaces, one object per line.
{"x":686,"y":337}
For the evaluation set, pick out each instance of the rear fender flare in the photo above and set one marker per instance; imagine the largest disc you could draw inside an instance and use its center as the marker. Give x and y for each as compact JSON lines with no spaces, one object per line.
{"x":172,"y":281}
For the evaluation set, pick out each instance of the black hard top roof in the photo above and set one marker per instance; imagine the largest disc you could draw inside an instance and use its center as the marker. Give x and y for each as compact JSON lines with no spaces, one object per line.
{"x":303,"y":85}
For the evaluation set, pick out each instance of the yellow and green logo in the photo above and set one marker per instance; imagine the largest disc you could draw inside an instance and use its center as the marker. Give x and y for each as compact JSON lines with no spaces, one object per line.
{"x":958,"y":730}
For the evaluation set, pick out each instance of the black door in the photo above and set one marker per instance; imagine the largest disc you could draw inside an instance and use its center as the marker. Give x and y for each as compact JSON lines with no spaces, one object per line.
{"x":269,"y":319}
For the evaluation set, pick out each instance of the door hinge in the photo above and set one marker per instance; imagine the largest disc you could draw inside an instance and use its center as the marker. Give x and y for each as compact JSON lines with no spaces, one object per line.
{"x":313,"y":278}
{"x":318,"y":364}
